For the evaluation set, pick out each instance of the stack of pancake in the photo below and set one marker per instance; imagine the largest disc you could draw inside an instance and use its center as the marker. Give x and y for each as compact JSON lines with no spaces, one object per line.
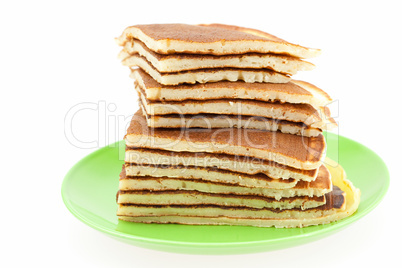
{"x":224,"y":135}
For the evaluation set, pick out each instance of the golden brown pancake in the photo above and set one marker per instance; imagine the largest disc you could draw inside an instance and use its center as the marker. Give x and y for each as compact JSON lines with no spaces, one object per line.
{"x":212,"y":39}
{"x":291,"y":150}
{"x":185,"y":197}
{"x":229,"y":121}
{"x":293,"y":92}
{"x":209,"y":75}
{"x":335,"y":201}
{"x":219,"y":215}
{"x":157,"y":178}
{"x":236,"y":166}
{"x":209,"y":174}
{"x":167,"y":63}
{"x":300,"y":113}
{"x":341,"y":202}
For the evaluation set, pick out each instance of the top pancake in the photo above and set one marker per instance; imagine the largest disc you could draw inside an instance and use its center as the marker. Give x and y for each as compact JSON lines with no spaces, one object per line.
{"x":215,"y":39}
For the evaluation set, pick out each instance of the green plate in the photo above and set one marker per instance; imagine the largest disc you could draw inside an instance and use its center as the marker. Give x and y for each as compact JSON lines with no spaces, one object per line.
{"x":89,"y":192}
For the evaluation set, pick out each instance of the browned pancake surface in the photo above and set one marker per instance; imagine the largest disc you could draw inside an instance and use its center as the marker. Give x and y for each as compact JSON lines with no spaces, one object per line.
{"x":196,"y":33}
{"x":303,"y":149}
{"x":224,"y":158}
{"x":289,"y":88}
{"x":183,"y":56}
{"x":323,"y":180}
{"x":334,"y":199}
{"x":305,"y":109}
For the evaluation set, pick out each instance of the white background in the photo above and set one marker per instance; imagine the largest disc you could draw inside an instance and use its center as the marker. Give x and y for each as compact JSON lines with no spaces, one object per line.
{"x":55,"y":55}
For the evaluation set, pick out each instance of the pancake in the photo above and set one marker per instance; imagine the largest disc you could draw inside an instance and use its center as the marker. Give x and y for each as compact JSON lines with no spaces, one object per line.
{"x":303,"y":113}
{"x":179,"y":214}
{"x":185,"y":197}
{"x":167,"y":63}
{"x":293,"y":92}
{"x":209,"y":75}
{"x":237,"y":166}
{"x":340,"y":204}
{"x":291,"y":150}
{"x":207,"y":174}
{"x":215,"y":39}
{"x":156,"y":178}
{"x":335,"y":201}
{"x":229,"y":121}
